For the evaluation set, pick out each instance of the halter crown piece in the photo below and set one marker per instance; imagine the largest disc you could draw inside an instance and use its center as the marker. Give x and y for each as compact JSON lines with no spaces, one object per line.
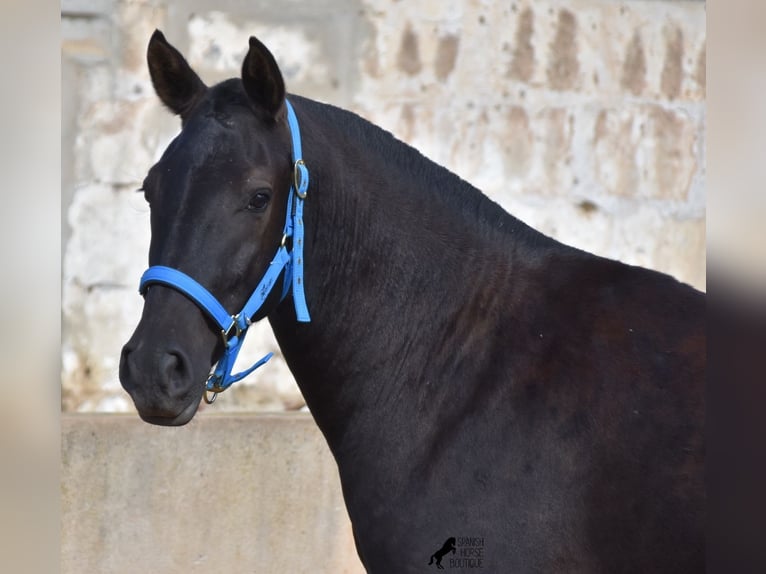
{"x":234,"y":327}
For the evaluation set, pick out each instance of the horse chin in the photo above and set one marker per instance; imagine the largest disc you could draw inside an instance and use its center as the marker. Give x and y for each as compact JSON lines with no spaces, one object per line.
{"x":178,"y":420}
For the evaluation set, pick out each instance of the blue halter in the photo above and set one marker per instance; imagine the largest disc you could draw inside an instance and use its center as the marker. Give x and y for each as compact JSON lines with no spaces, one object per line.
{"x":234,"y":327}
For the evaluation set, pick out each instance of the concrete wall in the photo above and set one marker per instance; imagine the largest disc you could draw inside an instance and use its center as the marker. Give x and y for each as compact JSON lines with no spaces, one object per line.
{"x":227,"y":494}
{"x":585,"y":118}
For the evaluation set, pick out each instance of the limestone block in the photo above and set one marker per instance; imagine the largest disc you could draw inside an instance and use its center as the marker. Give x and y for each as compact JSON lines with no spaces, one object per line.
{"x":646,"y":151}
{"x":525,"y":94}
{"x":110,"y":237}
{"x":649,"y":49}
{"x":642,"y":49}
{"x":97,"y":325}
{"x":104,"y":258}
{"x":218,"y":44}
{"x":107,"y":129}
{"x":138,"y":20}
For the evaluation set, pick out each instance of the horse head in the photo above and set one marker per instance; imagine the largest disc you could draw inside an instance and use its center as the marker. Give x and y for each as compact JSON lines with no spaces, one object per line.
{"x":218,"y":200}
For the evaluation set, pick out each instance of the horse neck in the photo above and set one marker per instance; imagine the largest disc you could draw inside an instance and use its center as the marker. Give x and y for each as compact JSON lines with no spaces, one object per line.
{"x":389,"y":267}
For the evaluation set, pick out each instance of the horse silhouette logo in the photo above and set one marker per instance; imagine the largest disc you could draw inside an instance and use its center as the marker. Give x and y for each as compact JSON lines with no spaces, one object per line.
{"x":447,"y":547}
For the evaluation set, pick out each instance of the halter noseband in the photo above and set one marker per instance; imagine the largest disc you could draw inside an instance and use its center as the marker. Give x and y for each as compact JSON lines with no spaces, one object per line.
{"x":234,"y":327}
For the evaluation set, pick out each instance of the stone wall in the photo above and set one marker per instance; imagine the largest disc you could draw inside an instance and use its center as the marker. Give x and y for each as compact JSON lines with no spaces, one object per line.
{"x":584,"y":118}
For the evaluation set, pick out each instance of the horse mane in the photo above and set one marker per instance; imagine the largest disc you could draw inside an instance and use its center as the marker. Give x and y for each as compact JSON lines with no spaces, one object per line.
{"x":437,"y":182}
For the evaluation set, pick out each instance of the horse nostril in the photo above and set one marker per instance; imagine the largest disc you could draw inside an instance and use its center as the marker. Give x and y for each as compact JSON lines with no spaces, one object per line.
{"x":125,"y":368}
{"x":174,"y":369}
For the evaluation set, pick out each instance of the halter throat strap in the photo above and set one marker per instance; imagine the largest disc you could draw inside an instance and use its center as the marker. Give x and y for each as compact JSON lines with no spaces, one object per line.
{"x":234,"y":327}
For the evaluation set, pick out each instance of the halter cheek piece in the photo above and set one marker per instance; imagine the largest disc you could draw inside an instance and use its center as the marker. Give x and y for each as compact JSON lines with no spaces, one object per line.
{"x":234,"y":327}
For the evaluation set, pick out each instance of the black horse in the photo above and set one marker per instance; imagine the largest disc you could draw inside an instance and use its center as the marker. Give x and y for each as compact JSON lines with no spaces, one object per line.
{"x":469,"y":373}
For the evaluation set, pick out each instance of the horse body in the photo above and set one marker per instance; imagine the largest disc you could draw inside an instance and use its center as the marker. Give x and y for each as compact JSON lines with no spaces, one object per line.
{"x":472,"y":376}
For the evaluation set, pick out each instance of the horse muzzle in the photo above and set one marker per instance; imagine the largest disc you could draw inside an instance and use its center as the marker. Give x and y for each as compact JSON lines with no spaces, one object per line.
{"x":160,"y":382}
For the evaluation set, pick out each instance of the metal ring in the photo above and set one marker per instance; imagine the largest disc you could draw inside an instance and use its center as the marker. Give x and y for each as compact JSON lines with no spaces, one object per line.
{"x":298,"y":178}
{"x":212,"y":388}
{"x":207,"y":400}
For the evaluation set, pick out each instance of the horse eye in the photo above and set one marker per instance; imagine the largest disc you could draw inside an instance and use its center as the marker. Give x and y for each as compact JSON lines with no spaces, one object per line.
{"x":259,"y":201}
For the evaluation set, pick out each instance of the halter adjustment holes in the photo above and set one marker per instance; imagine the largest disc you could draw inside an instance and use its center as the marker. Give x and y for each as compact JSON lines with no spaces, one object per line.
{"x":259,"y":200}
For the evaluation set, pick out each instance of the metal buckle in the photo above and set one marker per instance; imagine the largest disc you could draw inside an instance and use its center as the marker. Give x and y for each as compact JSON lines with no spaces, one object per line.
{"x":227,"y":335}
{"x":297,"y":178}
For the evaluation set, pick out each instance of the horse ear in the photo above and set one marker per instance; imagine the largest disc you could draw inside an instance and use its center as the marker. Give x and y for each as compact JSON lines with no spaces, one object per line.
{"x":176,"y":84}
{"x":262,"y":79}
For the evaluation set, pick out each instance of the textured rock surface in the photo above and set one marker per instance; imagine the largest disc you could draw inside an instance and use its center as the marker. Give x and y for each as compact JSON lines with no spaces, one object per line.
{"x":585,"y":118}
